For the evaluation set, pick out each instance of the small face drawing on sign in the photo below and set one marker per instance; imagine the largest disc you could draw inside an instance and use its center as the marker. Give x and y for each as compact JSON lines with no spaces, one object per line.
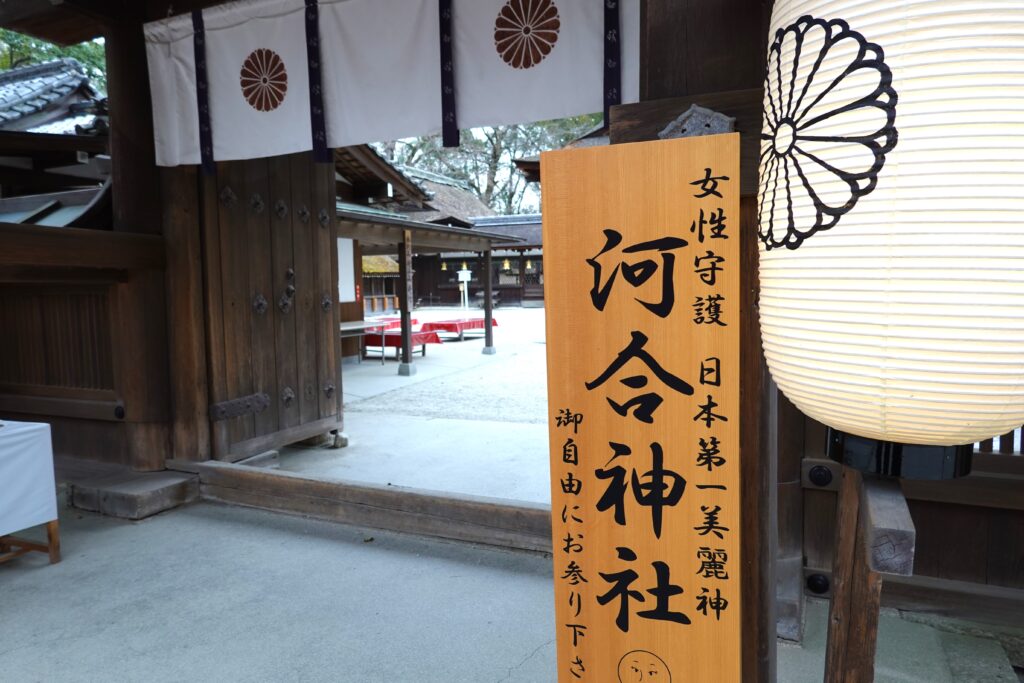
{"x":641,"y":666}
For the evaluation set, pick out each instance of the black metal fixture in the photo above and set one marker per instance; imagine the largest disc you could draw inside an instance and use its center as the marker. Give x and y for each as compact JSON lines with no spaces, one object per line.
{"x":820,"y":476}
{"x":818,"y":584}
{"x":906,"y":461}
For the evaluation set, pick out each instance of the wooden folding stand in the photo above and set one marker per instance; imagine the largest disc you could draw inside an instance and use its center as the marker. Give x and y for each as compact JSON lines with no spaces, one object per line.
{"x":13,"y":546}
{"x":876,"y":537}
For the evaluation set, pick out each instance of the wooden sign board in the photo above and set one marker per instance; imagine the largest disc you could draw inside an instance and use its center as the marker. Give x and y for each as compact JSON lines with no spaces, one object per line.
{"x":641,"y":258}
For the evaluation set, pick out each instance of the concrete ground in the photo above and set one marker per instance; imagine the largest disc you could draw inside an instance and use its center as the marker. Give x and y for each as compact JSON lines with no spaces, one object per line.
{"x":465,"y":422}
{"x":216,"y":593}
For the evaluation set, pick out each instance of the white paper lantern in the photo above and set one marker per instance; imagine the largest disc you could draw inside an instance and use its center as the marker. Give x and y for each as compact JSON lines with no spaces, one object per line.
{"x":892,"y":215}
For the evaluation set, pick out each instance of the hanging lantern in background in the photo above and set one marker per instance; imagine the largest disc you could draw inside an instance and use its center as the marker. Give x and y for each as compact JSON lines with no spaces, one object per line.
{"x":529,"y":264}
{"x":892,"y":216}
{"x":506,"y":265}
{"x":444,"y":265}
{"x":464,"y":266}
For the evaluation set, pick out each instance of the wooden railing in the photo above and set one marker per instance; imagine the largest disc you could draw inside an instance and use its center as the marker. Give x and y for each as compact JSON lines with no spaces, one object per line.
{"x":1006,"y":444}
{"x":372,"y":303}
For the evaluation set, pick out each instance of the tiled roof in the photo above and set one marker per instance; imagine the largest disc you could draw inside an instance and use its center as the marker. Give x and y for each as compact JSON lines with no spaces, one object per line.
{"x":525,"y":226}
{"x":449,"y":198}
{"x":33,"y":89}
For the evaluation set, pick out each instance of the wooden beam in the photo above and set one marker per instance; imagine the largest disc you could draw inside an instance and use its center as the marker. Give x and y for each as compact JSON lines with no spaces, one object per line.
{"x":964,"y":600}
{"x":947,"y":598}
{"x":889,"y":534}
{"x":25,"y":245}
{"x":995,"y":491}
{"x":81,"y":409}
{"x":995,"y":482}
{"x":381,"y":238}
{"x":474,"y":519}
{"x":50,"y":20}
{"x":17,"y":142}
{"x":61,"y":275}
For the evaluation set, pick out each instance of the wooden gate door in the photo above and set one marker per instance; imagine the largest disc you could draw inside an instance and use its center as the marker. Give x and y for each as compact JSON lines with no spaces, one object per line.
{"x":271,"y":303}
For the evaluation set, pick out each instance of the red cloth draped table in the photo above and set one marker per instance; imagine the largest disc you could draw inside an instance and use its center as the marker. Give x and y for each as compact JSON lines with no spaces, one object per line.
{"x":360,"y":328}
{"x":457,"y":325}
{"x":393,"y":339}
{"x":392,"y":322}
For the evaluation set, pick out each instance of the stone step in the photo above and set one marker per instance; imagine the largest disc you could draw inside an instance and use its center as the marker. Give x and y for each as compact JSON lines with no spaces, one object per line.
{"x":133,"y":495}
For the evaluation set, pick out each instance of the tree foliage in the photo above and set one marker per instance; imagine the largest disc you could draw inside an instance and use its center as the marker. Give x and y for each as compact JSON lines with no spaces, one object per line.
{"x":484,"y":159}
{"x":17,"y":49}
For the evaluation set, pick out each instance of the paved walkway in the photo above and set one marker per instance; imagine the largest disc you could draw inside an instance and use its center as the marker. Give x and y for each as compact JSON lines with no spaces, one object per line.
{"x":215,"y":593}
{"x":465,"y":422}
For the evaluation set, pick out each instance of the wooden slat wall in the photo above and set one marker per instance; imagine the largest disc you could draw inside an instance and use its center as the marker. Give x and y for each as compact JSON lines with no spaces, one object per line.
{"x":969,"y":543}
{"x":84,"y":347}
{"x":56,"y":337}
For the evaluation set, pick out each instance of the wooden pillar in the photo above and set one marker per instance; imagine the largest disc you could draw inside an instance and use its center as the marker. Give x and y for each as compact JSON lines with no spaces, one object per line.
{"x":186,"y":328}
{"x":488,"y":303}
{"x":135,"y":181}
{"x":140,"y":346}
{"x":522,"y":278}
{"x":140,"y":367}
{"x":723,"y":50}
{"x":758,"y":472}
{"x":405,"y":367}
{"x":875,"y":536}
{"x":788,"y":443}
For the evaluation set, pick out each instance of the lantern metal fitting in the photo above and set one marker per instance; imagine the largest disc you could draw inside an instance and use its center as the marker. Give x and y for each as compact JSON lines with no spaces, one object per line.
{"x":906,"y":461}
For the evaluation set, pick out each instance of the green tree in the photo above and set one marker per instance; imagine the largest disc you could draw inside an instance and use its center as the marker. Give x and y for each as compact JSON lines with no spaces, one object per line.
{"x":484,"y":159}
{"x":17,"y":49}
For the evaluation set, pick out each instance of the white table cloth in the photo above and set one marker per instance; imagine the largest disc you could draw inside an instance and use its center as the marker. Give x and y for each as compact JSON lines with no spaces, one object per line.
{"x":28,"y":492}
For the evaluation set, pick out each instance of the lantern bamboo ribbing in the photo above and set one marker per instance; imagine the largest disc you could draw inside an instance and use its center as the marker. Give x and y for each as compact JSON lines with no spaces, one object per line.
{"x":892,"y":216}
